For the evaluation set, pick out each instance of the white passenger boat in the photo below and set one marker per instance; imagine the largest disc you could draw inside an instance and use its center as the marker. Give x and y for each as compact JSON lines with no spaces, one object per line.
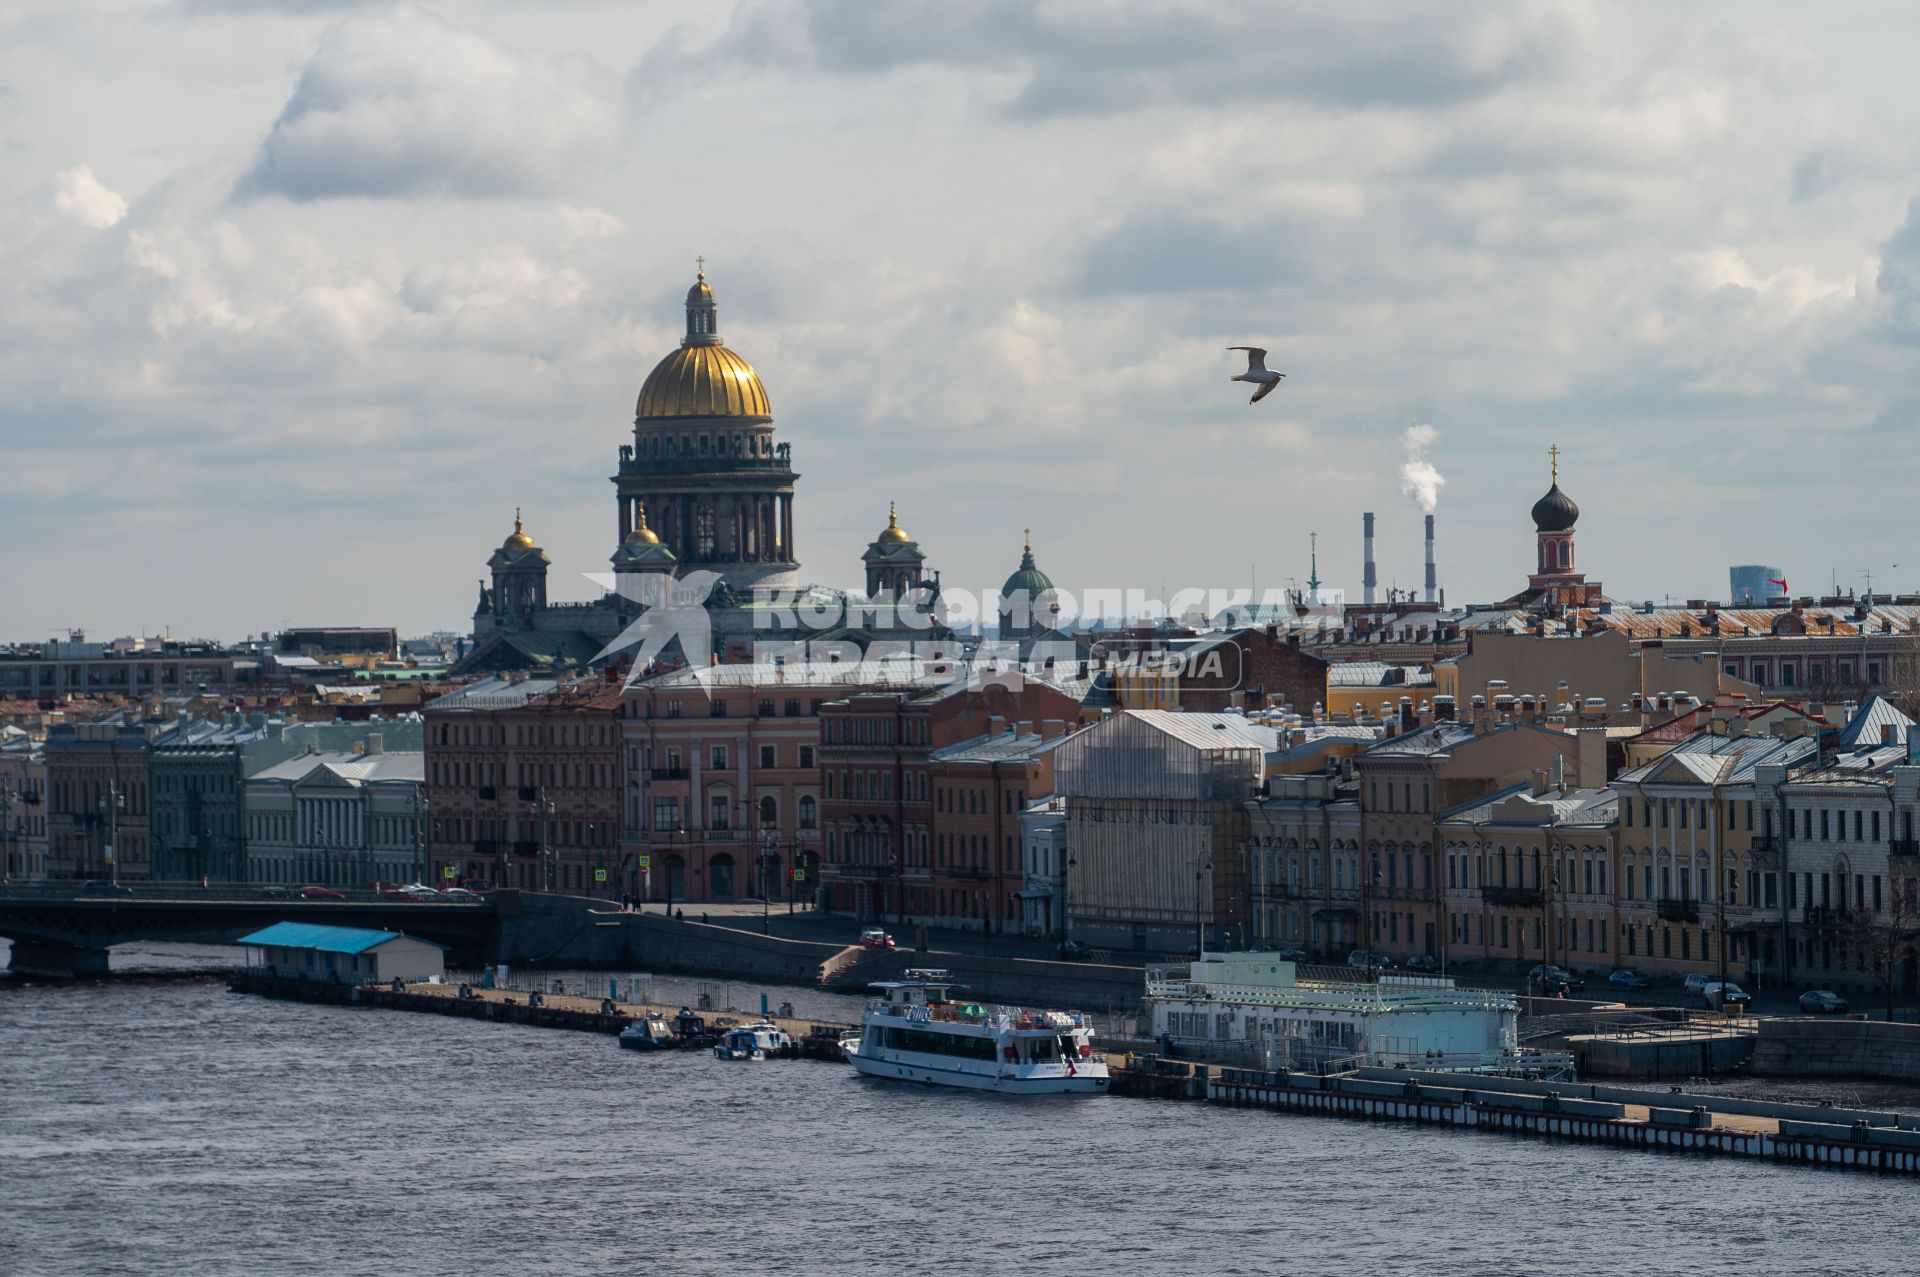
{"x":753,"y":1042}
{"x":918,"y":1030}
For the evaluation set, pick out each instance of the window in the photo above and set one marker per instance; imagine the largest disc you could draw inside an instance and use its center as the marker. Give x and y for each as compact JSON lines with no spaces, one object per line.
{"x":666,"y":814}
{"x":768,"y":755}
{"x":808,"y":813}
{"x":769,"y":811}
{"x":766,"y":707}
{"x":806,"y":758}
{"x":717,"y":811}
{"x":718,"y":758}
{"x":791,"y":708}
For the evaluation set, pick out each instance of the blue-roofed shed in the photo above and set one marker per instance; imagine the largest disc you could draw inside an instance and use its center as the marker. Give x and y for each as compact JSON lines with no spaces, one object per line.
{"x":345,"y":955}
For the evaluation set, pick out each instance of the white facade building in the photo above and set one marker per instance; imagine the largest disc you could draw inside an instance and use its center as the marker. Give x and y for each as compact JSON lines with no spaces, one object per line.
{"x":346,"y":820}
{"x":1043,"y":868}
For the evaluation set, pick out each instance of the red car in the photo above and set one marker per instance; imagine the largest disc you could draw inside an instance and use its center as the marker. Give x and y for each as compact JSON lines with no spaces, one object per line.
{"x":875,"y":938}
{"x":320,"y":893}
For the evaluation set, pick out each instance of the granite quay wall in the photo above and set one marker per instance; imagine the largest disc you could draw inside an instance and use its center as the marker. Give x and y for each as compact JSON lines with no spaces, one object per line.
{"x":1838,"y":1048}
{"x":560,"y":931}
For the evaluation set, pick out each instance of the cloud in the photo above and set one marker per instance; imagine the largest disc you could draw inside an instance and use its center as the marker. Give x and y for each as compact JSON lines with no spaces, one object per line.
{"x":402,"y":103}
{"x":81,"y":196}
{"x":1081,"y":58}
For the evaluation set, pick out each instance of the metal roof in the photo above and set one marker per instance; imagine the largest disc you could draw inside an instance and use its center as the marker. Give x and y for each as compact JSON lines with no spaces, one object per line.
{"x":312,"y":935}
{"x":1209,"y":731}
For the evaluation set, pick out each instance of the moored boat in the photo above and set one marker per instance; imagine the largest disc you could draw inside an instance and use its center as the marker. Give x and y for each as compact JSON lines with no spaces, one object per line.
{"x":753,"y":1042}
{"x":649,"y":1032}
{"x":918,"y":1030}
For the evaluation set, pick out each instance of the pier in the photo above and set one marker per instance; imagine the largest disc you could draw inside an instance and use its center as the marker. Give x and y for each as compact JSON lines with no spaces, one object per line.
{"x":532,"y":1008}
{"x":1797,"y":1134}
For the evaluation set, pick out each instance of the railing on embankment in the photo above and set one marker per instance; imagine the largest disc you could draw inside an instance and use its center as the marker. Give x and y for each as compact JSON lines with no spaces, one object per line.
{"x":1793,"y":1134}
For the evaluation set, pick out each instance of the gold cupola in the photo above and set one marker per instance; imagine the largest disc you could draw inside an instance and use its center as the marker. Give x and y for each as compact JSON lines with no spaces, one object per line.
{"x":642,"y":534}
{"x":519,"y":540}
{"x":703,"y":378}
{"x":893,"y":533}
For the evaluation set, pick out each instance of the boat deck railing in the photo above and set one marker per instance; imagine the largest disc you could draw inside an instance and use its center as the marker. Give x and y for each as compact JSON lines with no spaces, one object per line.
{"x":1029,"y":1018}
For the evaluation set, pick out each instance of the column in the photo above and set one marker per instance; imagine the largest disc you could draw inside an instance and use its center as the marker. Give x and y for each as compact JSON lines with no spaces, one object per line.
{"x":626,"y":518}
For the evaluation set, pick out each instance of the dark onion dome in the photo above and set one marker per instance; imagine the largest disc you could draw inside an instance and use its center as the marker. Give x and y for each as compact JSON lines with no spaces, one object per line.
{"x":1555,"y":512}
{"x":1029,"y":578}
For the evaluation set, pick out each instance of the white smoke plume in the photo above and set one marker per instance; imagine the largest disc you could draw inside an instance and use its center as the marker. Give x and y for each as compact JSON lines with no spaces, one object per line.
{"x":1418,"y":477}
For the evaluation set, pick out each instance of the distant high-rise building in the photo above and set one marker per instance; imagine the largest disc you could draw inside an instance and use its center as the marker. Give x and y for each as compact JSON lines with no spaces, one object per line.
{"x":1755,"y":583}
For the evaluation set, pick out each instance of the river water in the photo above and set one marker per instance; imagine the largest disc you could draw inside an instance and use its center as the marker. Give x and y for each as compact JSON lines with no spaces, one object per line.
{"x":169,"y":1127}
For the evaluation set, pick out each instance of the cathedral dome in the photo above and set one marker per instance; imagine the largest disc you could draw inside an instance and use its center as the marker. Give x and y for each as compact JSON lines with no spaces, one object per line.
{"x":703,"y":378}
{"x":703,"y":381}
{"x":1555,"y":512}
{"x":1029,"y":578}
{"x":642,"y":534}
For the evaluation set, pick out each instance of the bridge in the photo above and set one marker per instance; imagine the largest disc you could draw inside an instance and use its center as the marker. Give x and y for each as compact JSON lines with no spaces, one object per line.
{"x":67,"y":929}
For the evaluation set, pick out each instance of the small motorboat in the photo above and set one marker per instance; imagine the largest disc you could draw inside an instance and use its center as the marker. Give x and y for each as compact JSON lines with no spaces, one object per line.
{"x":849,"y":1045}
{"x":650,"y":1032}
{"x":760,"y":1041}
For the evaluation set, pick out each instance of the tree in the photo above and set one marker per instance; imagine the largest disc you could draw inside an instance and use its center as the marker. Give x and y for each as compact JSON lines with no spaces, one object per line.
{"x":1887,"y":939}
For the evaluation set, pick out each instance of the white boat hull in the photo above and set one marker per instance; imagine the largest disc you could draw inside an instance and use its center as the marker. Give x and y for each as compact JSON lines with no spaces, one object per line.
{"x":1091,"y":1079}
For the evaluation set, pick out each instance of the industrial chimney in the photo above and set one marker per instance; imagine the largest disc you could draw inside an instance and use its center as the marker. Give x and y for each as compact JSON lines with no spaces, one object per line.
{"x":1367,"y":578}
{"x":1430,"y":581}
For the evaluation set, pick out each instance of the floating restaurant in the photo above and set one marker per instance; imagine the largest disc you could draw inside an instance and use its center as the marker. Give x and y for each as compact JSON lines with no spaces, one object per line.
{"x":1264,"y":1009}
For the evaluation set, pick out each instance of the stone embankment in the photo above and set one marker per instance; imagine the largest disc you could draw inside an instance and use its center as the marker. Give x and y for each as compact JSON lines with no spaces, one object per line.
{"x":1808,"y":1047}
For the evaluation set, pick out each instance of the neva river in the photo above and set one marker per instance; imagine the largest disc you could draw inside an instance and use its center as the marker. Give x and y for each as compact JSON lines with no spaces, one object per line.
{"x":169,"y":1127}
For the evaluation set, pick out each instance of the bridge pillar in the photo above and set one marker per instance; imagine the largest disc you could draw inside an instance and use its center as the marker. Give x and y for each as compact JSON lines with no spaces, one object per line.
{"x":61,"y":961}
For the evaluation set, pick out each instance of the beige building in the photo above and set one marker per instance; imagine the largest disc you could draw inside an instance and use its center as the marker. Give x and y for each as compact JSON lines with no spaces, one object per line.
{"x":1605,"y":666}
{"x":1303,"y":855}
{"x":1529,"y":877}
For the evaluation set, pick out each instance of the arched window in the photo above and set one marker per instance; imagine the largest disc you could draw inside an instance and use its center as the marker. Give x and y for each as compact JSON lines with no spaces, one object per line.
{"x":807,"y":812}
{"x":769,"y":811}
{"x":703,"y":529}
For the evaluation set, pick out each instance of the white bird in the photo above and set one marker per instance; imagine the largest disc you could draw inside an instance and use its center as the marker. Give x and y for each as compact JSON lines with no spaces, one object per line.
{"x":1257,"y":372}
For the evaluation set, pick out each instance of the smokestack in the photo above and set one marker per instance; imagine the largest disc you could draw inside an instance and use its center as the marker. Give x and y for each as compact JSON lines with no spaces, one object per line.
{"x":1367,"y":578}
{"x":1431,"y":583}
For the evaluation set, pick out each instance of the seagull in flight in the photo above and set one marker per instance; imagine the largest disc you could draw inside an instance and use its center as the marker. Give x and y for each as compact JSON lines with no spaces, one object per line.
{"x":1257,"y":372}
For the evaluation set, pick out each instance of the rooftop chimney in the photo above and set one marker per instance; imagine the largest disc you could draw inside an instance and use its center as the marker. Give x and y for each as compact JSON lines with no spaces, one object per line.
{"x":1431,"y":583}
{"x":1368,"y":579}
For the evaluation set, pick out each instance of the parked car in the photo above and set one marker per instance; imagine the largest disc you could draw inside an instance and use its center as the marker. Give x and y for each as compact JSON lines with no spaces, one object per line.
{"x":1628,"y":978}
{"x":1823,"y":1002}
{"x":274,"y":889}
{"x":1423,"y":962}
{"x":320,"y":893}
{"x":478,"y":888}
{"x":459,"y":893}
{"x":1074,"y":950}
{"x":1718,"y":995}
{"x":1368,"y":958}
{"x":420,"y":891}
{"x":1294,"y":955}
{"x":1696,"y":983}
{"x":876,"y":938}
{"x":1553,"y":973}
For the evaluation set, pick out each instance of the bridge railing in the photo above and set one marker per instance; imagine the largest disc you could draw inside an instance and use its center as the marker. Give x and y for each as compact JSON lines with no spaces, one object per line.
{"x":90,"y":890}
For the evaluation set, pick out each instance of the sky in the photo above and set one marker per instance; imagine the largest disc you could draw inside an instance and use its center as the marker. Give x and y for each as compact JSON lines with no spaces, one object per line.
{"x":299,"y":300}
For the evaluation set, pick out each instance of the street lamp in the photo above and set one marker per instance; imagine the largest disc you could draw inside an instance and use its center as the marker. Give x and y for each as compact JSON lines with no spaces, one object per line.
{"x":1206,"y":907}
{"x":112,"y":803}
{"x":767,"y":842}
{"x":542,"y":806}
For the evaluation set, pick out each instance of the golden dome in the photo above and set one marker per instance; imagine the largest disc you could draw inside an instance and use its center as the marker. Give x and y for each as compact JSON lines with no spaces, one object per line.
{"x":519,"y":540}
{"x":703,"y":381}
{"x":642,"y":534}
{"x":893,"y":533}
{"x":701,"y":290}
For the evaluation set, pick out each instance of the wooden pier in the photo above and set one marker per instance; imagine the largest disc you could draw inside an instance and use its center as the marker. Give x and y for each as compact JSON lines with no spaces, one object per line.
{"x":815,"y":1039}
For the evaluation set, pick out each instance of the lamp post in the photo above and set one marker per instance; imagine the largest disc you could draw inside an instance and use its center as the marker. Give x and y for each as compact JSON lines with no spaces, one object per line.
{"x":1206,"y":907}
{"x":768,"y":840}
{"x":419,"y":805}
{"x":7,"y":828}
{"x":1066,"y":915}
{"x":112,"y":803}
{"x":542,"y":807}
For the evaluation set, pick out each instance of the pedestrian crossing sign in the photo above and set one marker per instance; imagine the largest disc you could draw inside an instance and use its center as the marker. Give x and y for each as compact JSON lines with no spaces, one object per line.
{"x":447,"y":872}
{"x":646,"y":862}
{"x":799,"y":875}
{"x":599,"y":875}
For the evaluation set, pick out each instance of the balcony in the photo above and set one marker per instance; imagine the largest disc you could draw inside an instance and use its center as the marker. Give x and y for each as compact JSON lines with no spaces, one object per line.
{"x":1832,"y":916}
{"x":861,"y":871}
{"x":486,"y":846}
{"x":526,"y":847}
{"x":670,"y":773}
{"x":1678,"y":909}
{"x":1523,"y":897}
